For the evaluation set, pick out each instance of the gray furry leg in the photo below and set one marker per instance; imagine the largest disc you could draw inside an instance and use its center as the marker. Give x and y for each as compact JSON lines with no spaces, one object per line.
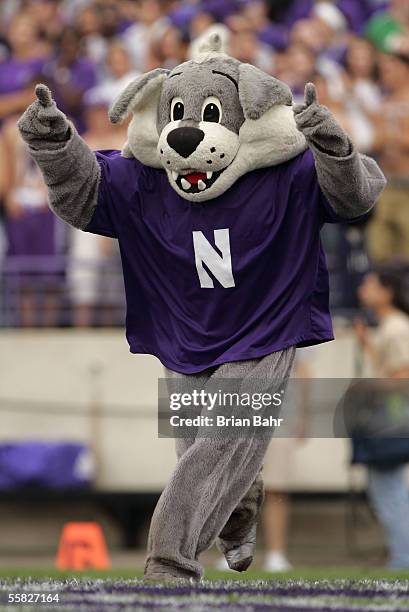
{"x":159,"y":567}
{"x":208,"y":483}
{"x":238,"y":536}
{"x":186,"y":383}
{"x":211,"y":478}
{"x":237,"y":540}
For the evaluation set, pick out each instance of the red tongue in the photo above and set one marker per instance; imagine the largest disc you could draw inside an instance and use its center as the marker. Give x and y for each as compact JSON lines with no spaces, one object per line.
{"x":195,"y":177}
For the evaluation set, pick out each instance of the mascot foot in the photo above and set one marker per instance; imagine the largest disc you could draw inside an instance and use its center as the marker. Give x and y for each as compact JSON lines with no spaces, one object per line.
{"x":237,"y":540}
{"x":240,"y":556}
{"x":157,"y":572}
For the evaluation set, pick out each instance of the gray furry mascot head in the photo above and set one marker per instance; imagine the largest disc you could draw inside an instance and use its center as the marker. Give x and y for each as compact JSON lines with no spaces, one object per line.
{"x":208,"y":121}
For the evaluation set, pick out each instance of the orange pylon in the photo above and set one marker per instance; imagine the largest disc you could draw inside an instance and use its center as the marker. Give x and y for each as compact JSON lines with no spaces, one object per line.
{"x":82,"y":546}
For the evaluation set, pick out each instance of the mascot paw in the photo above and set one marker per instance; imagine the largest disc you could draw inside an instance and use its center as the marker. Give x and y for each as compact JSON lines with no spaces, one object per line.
{"x":310,"y":113}
{"x":239,"y":558}
{"x":319,"y":125}
{"x":43,"y":121}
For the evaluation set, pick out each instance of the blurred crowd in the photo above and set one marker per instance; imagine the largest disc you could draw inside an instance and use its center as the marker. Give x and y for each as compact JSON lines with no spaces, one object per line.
{"x":355,"y":51}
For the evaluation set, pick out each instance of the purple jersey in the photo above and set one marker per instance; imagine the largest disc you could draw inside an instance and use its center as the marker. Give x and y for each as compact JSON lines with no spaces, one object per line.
{"x":233,"y":278}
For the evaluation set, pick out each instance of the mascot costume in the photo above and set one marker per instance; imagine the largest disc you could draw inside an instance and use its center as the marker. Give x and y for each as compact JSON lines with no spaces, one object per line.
{"x":217,"y":201}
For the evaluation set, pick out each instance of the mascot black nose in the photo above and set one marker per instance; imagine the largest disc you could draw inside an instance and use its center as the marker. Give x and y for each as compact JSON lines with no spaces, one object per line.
{"x":184,"y":140}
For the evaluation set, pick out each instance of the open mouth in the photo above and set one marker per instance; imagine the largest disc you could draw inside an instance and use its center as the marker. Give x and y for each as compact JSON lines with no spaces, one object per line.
{"x":195,"y":182}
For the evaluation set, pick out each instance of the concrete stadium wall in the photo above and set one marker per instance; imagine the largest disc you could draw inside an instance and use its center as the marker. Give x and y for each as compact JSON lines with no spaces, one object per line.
{"x":51,"y":382}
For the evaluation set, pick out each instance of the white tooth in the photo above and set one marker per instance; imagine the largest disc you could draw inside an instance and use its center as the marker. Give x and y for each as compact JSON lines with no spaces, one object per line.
{"x":174,"y":175}
{"x":201,"y":185}
{"x":209,"y":174}
{"x":185,"y":184}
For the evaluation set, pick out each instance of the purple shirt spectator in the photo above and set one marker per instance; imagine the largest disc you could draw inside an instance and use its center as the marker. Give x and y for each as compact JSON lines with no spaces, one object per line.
{"x":219,"y":10}
{"x":15,"y":75}
{"x":182,"y":15}
{"x":80,"y":76}
{"x":71,"y":74}
{"x":300,"y":9}
{"x":276,"y":36}
{"x":357,"y":13}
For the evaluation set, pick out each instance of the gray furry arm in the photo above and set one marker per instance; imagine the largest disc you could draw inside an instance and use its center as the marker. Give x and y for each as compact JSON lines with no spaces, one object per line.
{"x":72,"y":175}
{"x":350,"y":181}
{"x":69,"y":167}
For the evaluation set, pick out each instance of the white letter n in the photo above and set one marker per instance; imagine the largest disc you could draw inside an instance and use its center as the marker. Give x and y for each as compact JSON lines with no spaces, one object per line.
{"x":219,"y":265}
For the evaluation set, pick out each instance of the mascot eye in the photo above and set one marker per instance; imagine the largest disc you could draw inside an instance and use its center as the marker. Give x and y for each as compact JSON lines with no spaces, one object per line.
{"x":177,"y":109}
{"x":212,"y":110}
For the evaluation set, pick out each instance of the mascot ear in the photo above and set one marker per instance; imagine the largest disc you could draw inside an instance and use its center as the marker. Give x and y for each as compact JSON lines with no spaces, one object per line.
{"x":140,"y":93}
{"x":141,"y":97}
{"x":269,"y":135}
{"x":258,"y":91}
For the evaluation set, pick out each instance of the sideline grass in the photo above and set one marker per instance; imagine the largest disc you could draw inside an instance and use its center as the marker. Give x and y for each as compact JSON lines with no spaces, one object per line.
{"x":130,"y":595}
{"x":307,"y":573}
{"x":122,"y":590}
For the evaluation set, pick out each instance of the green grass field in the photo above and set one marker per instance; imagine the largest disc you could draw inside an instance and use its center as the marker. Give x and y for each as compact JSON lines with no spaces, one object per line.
{"x":310,"y":573}
{"x":123,"y":590}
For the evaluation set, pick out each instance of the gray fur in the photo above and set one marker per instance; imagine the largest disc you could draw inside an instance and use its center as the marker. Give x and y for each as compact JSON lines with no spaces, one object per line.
{"x":69,"y":167}
{"x":351,"y":184}
{"x":237,"y":540}
{"x":72,"y":175}
{"x":194,"y":82}
{"x":43,"y":121}
{"x":350,"y":181}
{"x":122,"y":106}
{"x":212,"y":476}
{"x":258,"y":91}
{"x":213,"y":44}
